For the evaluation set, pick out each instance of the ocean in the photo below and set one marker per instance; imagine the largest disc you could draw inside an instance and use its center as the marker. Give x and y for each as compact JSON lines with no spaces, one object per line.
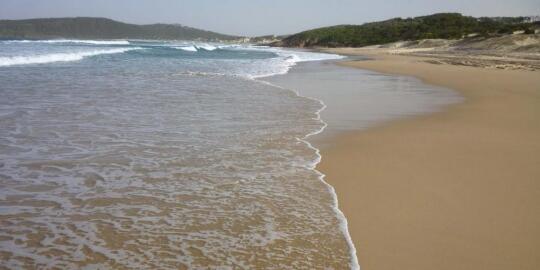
{"x":161,"y":155}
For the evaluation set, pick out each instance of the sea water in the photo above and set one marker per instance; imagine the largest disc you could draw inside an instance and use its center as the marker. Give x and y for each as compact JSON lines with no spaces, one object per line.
{"x":161,"y":155}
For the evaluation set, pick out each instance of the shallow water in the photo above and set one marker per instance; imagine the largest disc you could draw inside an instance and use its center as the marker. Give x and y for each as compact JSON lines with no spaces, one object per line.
{"x":132,"y":154}
{"x":153,"y":155}
{"x":358,"y":99}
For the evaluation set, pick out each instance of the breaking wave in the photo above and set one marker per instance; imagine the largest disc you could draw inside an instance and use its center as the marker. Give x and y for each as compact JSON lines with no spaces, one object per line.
{"x":93,"y":42}
{"x":186,"y":48}
{"x":207,"y":47}
{"x":58,"y":57}
{"x":196,"y":48}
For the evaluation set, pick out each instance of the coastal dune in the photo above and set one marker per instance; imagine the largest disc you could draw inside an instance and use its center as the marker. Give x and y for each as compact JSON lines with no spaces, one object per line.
{"x":458,"y":189}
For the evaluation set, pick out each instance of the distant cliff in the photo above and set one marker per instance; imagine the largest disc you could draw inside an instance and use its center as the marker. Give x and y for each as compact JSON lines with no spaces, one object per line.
{"x":100,"y":28}
{"x":436,"y":26}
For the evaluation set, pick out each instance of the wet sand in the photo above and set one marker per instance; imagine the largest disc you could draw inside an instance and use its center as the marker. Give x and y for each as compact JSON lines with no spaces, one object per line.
{"x":458,"y":189}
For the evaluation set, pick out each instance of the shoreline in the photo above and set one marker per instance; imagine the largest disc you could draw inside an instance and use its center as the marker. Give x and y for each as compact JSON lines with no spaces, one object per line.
{"x":453,"y":189}
{"x":353,"y":263}
{"x":311,"y":80}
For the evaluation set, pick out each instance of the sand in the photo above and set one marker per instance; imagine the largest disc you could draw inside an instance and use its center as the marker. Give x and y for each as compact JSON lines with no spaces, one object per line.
{"x":458,"y":189}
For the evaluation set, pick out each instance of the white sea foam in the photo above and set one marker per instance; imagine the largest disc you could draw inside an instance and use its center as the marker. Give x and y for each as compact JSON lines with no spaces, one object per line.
{"x":77,"y":41}
{"x":343,"y":223}
{"x":201,"y":74}
{"x":206,"y":47}
{"x":291,"y":58}
{"x":265,"y":66}
{"x":344,"y":227}
{"x":186,"y":48}
{"x":193,"y":47}
{"x":58,"y":57}
{"x":288,"y":58}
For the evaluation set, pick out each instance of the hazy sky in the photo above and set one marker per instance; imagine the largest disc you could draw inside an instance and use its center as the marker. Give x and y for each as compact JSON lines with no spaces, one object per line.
{"x":259,"y":17}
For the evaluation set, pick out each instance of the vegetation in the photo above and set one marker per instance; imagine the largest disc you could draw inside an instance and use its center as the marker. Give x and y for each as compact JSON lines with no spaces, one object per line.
{"x":437,"y":26}
{"x":100,"y":28}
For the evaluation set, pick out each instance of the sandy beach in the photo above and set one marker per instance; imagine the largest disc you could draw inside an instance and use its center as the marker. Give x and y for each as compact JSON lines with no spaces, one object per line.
{"x":335,"y":135}
{"x":458,"y":189}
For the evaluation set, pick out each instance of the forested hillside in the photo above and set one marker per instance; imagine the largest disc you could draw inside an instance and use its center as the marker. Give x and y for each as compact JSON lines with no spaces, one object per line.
{"x":100,"y":28}
{"x":442,"y":26}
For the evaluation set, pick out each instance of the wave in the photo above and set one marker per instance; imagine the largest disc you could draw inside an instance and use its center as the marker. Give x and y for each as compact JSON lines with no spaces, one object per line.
{"x":191,"y":47}
{"x":303,"y":56}
{"x":186,"y":48}
{"x":77,"y":41}
{"x":206,"y":47}
{"x":58,"y":57}
{"x":202,"y":74}
{"x":197,"y":47}
{"x":282,"y":61}
{"x":286,"y":59}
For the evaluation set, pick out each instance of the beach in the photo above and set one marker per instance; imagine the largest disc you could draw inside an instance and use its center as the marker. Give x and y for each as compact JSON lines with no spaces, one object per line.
{"x":454,"y":189}
{"x":424,"y":166}
{"x":276,"y":135}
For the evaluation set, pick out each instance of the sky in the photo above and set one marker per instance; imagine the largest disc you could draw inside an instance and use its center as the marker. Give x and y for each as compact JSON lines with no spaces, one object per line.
{"x":259,"y":17}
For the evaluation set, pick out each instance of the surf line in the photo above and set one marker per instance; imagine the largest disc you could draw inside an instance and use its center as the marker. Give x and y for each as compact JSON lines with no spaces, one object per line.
{"x":343,"y":223}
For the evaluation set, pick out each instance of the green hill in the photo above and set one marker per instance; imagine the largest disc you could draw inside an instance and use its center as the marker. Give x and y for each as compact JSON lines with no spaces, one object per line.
{"x":440,"y":26}
{"x":100,"y":28}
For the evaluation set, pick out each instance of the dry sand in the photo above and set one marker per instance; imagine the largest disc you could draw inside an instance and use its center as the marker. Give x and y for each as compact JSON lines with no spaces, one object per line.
{"x":459,"y":189}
